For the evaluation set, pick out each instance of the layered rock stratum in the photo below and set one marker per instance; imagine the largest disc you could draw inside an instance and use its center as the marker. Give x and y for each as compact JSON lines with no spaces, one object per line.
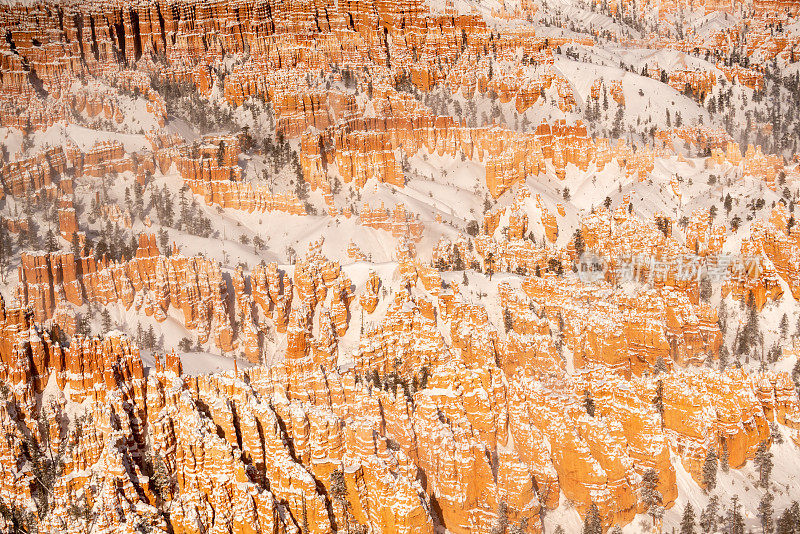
{"x":395,"y":266}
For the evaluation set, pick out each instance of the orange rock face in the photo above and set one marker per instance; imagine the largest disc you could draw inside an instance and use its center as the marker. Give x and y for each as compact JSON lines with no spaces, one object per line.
{"x":232,"y":450}
{"x":397,"y":221}
{"x":211,"y":171}
{"x":369,"y":299}
{"x":435,"y":386}
{"x":35,"y":175}
{"x":395,"y":397}
{"x":772,"y":255}
{"x":67,"y":221}
{"x":773,"y":7}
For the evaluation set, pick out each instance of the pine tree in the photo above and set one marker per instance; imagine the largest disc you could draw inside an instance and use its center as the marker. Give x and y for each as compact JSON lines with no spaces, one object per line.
{"x":658,"y":400}
{"x":163,"y":240}
{"x":723,"y":459}
{"x":508,"y":321}
{"x":184,"y":218}
{"x":775,"y":433}
{"x":784,"y":326}
{"x":796,"y":375}
{"x":221,"y":153}
{"x":734,"y":522}
{"x":763,"y":461}
{"x":133,"y":247}
{"x":185,"y":345}
{"x":423,"y":377}
{"x":138,"y":200}
{"x":724,"y":356}
{"x":458,"y":263}
{"x":687,"y":522}
{"x":105,"y":320}
{"x":338,"y":486}
{"x":501,"y":523}
{"x":50,"y":243}
{"x":750,"y":330}
{"x":660,"y":366}
{"x":168,"y":207}
{"x":765,"y":512}
{"x":708,"y":517}
{"x":588,"y":402}
{"x":789,"y":522}
{"x":706,"y":290}
{"x":650,"y":495}
{"x":76,"y":247}
{"x":580,"y":246}
{"x":592,"y":523}
{"x":150,"y":338}
{"x":5,"y":251}
{"x":710,"y":470}
{"x":305,"y":526}
{"x":83,"y":328}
